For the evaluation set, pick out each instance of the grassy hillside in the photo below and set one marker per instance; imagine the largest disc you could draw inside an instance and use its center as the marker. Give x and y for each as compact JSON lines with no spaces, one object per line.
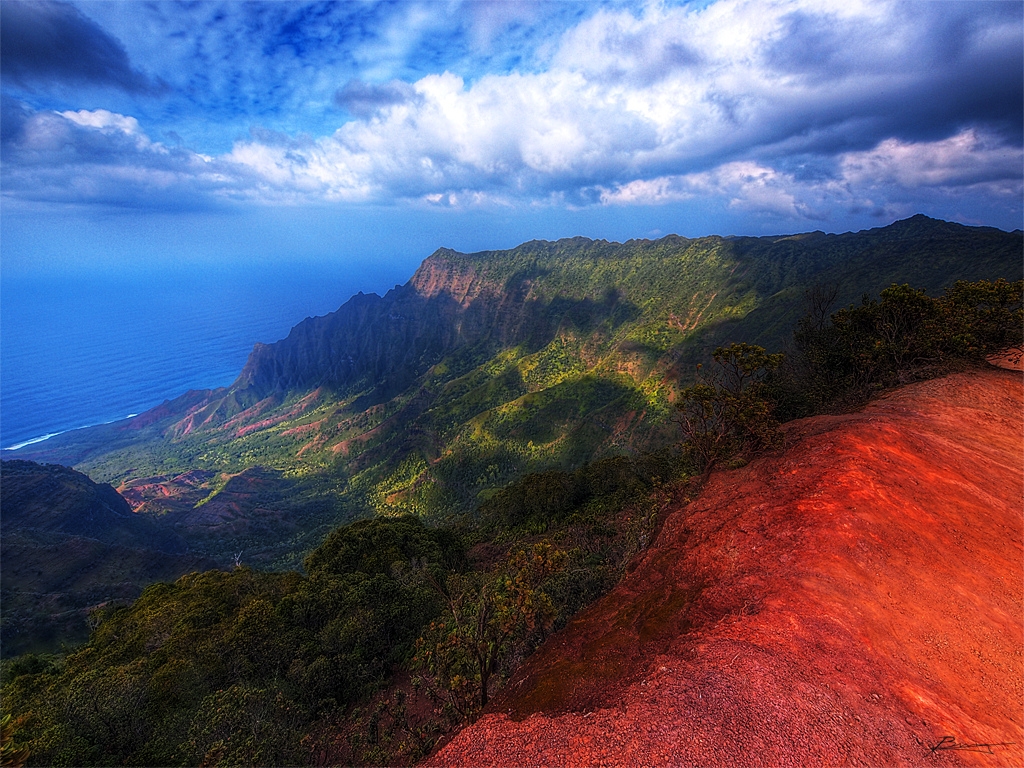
{"x":484,"y":367}
{"x":398,"y":632}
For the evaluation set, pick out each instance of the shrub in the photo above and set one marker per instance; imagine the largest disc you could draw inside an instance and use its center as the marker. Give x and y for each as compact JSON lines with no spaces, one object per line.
{"x":728,"y":411}
{"x":903,"y":336}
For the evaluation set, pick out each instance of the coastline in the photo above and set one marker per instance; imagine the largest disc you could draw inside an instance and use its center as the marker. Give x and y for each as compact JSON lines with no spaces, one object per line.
{"x":48,"y":435}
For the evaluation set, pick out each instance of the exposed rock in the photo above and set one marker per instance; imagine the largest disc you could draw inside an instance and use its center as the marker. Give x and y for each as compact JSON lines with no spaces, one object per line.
{"x":853,"y":600}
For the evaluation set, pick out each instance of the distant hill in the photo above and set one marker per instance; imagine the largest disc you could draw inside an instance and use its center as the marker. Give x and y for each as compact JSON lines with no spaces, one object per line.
{"x":68,"y":545}
{"x":49,"y":499}
{"x":485,"y":366}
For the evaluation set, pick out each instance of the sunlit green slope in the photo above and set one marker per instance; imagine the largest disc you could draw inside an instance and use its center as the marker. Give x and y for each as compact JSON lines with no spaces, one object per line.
{"x":488,"y":365}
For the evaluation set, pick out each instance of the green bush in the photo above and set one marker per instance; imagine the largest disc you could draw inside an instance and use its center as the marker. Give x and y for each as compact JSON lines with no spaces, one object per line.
{"x":728,"y":411}
{"x":903,"y":336}
{"x":379,"y":545}
{"x":540,"y":500}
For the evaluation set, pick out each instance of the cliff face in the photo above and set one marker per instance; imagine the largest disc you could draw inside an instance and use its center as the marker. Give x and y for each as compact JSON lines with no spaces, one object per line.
{"x":387,"y":341}
{"x":853,"y":600}
{"x":740,"y":287}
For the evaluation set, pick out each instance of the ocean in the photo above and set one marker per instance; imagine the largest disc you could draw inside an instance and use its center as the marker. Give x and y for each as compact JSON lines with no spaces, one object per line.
{"x":79,"y":351}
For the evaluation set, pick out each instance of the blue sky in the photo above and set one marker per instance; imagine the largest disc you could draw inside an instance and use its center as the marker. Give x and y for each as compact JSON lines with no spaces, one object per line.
{"x":138,"y":134}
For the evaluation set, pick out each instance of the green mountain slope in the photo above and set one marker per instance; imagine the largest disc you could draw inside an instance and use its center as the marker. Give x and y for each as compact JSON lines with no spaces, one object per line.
{"x":485,"y":366}
{"x":69,"y":545}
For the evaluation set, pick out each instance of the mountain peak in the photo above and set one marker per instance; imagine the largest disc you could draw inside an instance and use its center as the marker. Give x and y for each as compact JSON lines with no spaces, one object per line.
{"x":445,"y":253}
{"x":919,"y":226}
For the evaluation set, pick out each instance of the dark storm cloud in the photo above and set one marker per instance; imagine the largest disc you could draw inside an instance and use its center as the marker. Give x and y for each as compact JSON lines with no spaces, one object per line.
{"x":960,"y":65}
{"x":44,"y":42}
{"x":984,"y":86}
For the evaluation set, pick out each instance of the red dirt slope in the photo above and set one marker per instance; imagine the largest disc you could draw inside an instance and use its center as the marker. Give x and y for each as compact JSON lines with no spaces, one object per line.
{"x":851,"y":601}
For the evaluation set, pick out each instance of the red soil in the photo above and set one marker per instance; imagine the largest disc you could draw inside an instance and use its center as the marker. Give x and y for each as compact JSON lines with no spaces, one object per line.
{"x":850,"y":601}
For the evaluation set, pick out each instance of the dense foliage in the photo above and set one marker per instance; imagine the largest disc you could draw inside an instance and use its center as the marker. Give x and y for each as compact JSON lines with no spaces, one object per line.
{"x":843,"y":358}
{"x":251,"y":668}
{"x":490,"y":619}
{"x":487,"y":367}
{"x":234,"y":668}
{"x":903,"y":336}
{"x":728,"y":410}
{"x":543,"y":499}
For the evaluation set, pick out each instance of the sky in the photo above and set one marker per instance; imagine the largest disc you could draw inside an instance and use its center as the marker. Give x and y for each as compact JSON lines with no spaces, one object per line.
{"x":145,"y":134}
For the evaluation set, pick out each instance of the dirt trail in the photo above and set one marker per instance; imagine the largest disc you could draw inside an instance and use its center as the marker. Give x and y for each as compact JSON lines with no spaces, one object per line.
{"x":850,"y":601}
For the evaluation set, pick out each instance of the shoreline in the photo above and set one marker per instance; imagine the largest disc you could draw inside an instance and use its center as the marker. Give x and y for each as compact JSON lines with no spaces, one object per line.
{"x":34,"y":440}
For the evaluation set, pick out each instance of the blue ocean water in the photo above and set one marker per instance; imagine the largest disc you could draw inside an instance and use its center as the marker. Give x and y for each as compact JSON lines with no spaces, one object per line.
{"x":79,"y":351}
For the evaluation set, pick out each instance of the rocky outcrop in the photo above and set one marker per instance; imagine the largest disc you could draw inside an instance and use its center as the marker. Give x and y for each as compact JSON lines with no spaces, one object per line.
{"x":857,"y":599}
{"x":386,"y":343}
{"x":372,"y":341}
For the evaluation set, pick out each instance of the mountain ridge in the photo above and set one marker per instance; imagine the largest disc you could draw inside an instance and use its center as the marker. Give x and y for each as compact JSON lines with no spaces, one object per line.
{"x":462,"y":278}
{"x":71,"y":545}
{"x":488,"y":365}
{"x":422,"y":410}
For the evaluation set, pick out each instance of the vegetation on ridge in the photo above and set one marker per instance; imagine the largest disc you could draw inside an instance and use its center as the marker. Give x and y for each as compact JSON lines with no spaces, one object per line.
{"x":255,"y":668}
{"x":902,"y":336}
{"x":280,"y":668}
{"x":841,"y":360}
{"x":484,"y":368}
{"x":728,"y":410}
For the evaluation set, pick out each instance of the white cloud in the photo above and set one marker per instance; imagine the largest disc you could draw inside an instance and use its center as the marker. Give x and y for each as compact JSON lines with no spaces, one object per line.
{"x":97,"y":156}
{"x":628,"y":97}
{"x":741,"y":185}
{"x":968,"y":158}
{"x":946,"y":167}
{"x":630,"y":108}
{"x":104,"y":120}
{"x":664,"y":189}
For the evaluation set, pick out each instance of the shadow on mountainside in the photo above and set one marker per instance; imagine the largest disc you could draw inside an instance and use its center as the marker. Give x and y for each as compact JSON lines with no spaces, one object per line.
{"x":69,"y":546}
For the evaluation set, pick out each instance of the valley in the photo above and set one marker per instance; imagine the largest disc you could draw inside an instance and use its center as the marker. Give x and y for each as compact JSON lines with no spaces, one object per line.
{"x":481,"y":368}
{"x":541,"y":495}
{"x":513,"y":383}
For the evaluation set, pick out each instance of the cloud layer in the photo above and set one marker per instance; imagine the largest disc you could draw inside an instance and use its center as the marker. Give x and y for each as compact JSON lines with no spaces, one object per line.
{"x":795,"y":110}
{"x":45,"y":42}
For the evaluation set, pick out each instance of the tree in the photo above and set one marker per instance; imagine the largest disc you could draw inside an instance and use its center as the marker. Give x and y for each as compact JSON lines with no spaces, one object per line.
{"x":903,"y":336}
{"x":984,"y":317}
{"x":727,"y":411}
{"x":489,"y":620}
